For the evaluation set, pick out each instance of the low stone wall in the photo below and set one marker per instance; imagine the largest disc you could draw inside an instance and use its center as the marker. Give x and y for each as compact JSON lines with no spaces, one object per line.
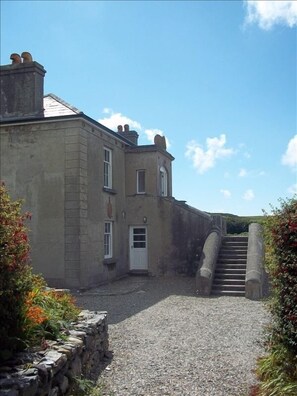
{"x":51,"y":372}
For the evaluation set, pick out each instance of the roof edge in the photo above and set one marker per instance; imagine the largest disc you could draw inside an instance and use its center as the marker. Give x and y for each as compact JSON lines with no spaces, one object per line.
{"x":66,"y":118}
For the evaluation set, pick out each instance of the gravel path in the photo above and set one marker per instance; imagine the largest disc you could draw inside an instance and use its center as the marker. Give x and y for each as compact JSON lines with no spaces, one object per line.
{"x":167,"y":341}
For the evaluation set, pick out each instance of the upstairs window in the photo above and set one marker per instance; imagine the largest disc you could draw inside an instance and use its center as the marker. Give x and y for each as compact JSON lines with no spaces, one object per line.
{"x":140,"y":181}
{"x":107,"y":168}
{"x":108,"y":239}
{"x":163,"y":182}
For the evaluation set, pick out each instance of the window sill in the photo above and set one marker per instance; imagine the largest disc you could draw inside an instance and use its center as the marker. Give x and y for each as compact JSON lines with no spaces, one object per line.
{"x":109,"y":190}
{"x":110,"y":261}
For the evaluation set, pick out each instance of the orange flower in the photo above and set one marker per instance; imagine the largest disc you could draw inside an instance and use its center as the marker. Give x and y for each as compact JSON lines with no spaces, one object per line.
{"x":36,"y":314}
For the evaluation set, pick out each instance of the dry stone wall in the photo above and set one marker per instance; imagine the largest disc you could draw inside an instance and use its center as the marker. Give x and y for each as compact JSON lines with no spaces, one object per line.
{"x":51,"y":372}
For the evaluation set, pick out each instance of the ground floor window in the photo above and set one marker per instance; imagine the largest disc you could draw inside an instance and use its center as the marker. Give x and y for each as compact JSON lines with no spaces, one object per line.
{"x":108,"y":239}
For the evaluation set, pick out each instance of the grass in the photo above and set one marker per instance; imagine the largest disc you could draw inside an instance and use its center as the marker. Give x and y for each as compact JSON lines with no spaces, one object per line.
{"x":84,"y":387}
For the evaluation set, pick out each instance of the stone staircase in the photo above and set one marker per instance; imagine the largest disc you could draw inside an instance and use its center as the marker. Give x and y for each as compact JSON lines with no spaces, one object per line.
{"x":229,"y":277}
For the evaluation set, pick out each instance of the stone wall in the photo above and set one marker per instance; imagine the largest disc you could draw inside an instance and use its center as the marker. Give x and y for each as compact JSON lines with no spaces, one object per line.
{"x":51,"y":372}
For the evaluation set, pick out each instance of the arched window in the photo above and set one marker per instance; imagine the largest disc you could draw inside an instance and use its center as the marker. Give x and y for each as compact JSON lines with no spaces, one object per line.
{"x":163,"y":182}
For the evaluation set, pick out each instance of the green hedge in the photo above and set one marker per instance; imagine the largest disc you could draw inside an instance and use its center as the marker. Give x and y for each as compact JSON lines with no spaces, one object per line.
{"x":278,"y":369}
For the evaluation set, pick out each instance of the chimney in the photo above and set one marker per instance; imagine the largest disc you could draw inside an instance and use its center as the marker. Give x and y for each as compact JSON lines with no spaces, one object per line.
{"x":21,"y":88}
{"x":130,"y":135}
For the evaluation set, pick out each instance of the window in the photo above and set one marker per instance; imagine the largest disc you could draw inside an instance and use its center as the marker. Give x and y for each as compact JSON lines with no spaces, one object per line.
{"x":163,"y":182}
{"x":108,"y":239}
{"x":107,"y":168}
{"x":139,"y":238}
{"x":140,"y":181}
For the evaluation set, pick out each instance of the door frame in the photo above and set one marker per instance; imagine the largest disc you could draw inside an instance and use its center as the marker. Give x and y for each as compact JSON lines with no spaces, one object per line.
{"x":134,"y":251}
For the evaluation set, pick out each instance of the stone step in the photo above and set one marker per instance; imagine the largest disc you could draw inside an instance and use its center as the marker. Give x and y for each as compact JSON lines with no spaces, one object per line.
{"x":227,"y":287}
{"x":232,"y":253}
{"x":234,"y":244}
{"x":218,"y":282}
{"x":237,"y":269}
{"x":229,"y":275}
{"x":138,"y":273}
{"x":235,"y":238}
{"x":228,"y":293}
{"x":226,"y":263}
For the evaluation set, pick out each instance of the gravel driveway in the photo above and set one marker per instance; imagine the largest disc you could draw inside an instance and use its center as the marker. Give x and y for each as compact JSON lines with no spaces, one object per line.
{"x":167,"y":341}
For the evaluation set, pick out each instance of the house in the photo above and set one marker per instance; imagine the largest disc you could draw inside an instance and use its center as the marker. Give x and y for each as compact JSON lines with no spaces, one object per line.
{"x":101,"y":204}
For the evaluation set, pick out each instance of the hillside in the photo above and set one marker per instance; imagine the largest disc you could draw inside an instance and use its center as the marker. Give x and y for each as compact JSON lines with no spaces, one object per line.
{"x":239,"y":224}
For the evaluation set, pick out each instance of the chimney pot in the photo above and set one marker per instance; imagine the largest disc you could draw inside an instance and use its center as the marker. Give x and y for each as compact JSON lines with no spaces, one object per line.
{"x":126,"y":128}
{"x":15,"y":58}
{"x":27,"y":57}
{"x":120,"y":128}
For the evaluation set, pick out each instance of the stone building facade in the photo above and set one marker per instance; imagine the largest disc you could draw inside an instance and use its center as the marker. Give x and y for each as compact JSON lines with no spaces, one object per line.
{"x":101,"y":204}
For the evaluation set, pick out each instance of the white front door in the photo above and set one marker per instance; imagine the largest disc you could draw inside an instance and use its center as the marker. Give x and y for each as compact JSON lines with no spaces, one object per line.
{"x":138,"y":248}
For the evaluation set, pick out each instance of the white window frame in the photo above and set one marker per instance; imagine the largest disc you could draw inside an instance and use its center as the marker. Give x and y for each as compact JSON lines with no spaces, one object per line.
{"x":107,"y":168}
{"x":108,"y":245}
{"x":163,"y":182}
{"x":138,"y":188}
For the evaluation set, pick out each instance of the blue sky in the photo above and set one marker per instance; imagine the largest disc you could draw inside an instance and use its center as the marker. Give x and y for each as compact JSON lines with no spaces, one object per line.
{"x":217,"y":78}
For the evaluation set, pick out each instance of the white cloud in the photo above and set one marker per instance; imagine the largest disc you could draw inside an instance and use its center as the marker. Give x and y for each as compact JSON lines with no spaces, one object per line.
{"x":242,"y":172}
{"x":206,"y":159}
{"x":112,"y":120}
{"x":293,"y":189}
{"x":249,"y":195}
{"x":290,"y":156}
{"x":107,"y":110}
{"x":116,"y":119}
{"x":271,"y":12}
{"x":226,"y":193}
{"x":252,"y":173}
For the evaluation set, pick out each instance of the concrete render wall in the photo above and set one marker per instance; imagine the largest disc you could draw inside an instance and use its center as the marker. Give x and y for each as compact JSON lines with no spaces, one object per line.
{"x":173,"y":229}
{"x":57,"y":168}
{"x":33,"y":168}
{"x":105,"y":205}
{"x":151,"y":161}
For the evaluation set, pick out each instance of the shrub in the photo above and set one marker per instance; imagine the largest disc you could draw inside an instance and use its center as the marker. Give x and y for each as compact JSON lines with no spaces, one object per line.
{"x":278,"y":370}
{"x":15,"y":273}
{"x":47,"y":313}
{"x":29,"y":311}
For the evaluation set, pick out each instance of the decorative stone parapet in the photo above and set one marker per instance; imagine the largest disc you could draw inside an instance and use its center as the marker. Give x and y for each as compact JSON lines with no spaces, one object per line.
{"x":51,"y":372}
{"x":255,"y":263}
{"x":208,"y":260}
